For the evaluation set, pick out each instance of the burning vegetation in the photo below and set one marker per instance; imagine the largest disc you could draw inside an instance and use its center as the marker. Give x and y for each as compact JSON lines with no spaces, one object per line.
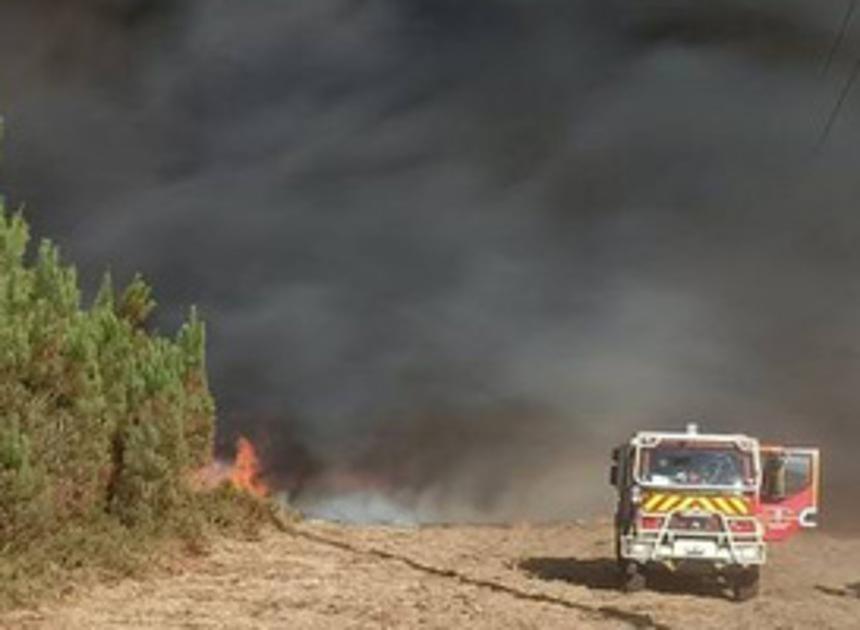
{"x":245,"y":473}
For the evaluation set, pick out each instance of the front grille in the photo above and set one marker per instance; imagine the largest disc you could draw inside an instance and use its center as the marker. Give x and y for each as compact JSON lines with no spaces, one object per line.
{"x":696,"y":523}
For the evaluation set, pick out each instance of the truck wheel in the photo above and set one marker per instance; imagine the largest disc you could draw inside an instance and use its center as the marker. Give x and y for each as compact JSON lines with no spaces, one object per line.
{"x":632,"y":577}
{"x":745,"y":584}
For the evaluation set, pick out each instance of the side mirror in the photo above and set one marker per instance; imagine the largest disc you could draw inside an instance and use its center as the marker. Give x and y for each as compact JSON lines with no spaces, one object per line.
{"x":613,"y":475}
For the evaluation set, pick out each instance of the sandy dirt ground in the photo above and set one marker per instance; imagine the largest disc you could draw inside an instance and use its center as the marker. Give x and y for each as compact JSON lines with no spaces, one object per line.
{"x":322,"y":576}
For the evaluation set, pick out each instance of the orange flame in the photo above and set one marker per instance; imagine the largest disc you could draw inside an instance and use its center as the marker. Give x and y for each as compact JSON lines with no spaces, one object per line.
{"x":245,"y":473}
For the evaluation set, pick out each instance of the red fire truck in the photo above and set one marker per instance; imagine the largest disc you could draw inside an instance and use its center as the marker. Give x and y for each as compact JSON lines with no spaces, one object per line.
{"x":693,"y":500}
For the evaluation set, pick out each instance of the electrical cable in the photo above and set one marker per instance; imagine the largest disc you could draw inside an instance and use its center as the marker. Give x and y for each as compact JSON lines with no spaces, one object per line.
{"x":852,"y":77}
{"x":843,"y":96}
{"x":840,"y":36}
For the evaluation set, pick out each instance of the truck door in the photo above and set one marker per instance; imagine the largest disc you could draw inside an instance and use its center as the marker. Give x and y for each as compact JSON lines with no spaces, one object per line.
{"x":789,"y":490}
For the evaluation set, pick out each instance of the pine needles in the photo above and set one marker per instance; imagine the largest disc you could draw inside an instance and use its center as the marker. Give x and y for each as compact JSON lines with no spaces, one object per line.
{"x":100,"y":421}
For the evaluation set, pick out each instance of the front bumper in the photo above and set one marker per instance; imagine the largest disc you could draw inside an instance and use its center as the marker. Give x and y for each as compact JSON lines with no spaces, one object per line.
{"x":672,"y":546}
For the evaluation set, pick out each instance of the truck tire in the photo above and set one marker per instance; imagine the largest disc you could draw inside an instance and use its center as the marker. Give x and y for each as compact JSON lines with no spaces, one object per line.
{"x":745,"y":584}
{"x":633,"y":577}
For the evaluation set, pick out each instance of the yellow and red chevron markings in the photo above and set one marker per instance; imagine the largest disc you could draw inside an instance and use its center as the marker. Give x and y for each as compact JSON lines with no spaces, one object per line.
{"x":665,"y":502}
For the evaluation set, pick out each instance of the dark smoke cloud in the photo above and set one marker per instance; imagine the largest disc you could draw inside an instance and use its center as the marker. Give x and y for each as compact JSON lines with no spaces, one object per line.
{"x":454,"y":250}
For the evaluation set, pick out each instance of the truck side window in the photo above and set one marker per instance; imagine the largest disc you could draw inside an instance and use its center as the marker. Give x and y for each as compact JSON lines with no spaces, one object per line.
{"x":798,"y":474}
{"x":774,"y":477}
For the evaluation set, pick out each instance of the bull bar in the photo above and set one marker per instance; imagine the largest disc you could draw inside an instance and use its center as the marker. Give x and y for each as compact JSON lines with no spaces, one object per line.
{"x":668,"y":544}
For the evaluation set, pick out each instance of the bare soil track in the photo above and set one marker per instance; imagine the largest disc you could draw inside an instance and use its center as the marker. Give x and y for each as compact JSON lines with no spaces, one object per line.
{"x":320,"y":575}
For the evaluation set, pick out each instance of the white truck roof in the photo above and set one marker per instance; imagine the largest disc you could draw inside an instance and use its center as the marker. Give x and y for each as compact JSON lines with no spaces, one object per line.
{"x":692,"y":434}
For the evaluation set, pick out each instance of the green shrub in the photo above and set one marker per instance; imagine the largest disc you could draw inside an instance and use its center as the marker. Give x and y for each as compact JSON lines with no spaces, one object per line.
{"x":100,"y":419}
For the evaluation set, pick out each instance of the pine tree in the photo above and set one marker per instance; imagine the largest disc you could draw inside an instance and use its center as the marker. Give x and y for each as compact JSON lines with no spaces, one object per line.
{"x":98,"y":416}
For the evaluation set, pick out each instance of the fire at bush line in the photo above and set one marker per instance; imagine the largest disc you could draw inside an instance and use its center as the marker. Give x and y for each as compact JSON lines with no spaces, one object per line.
{"x":692,"y":500}
{"x":244,"y":473}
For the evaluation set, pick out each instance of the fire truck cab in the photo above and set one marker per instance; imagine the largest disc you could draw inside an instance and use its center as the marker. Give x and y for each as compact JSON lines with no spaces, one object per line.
{"x":695,"y":500}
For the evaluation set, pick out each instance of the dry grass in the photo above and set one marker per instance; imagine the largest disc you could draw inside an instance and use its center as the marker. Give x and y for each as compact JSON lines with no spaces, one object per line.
{"x":85,"y":553}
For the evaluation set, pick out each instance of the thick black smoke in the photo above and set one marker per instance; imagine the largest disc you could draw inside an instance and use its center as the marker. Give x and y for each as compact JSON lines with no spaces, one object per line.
{"x":455,"y":250}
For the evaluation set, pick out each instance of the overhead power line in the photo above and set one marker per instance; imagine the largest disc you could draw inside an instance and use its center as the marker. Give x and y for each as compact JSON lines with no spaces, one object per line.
{"x":843,"y":96}
{"x":840,"y":36}
{"x":852,"y":77}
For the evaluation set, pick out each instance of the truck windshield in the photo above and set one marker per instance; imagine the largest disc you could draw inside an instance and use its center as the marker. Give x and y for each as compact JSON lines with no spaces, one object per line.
{"x":697,"y":465}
